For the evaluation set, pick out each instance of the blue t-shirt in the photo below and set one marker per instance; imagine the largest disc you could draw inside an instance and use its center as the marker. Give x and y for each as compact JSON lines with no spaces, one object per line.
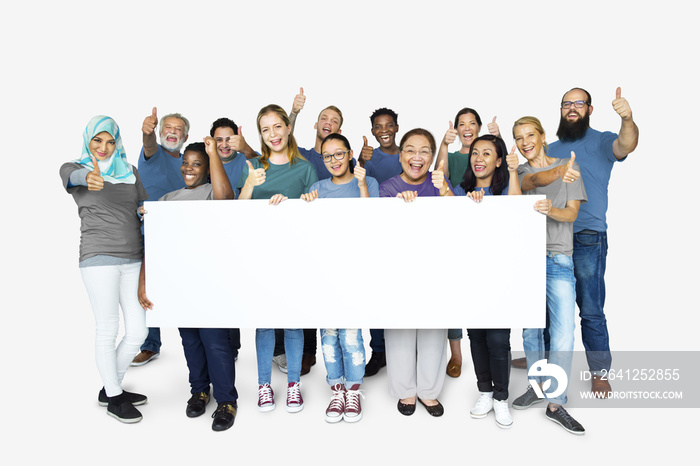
{"x":326,"y":188}
{"x":160,"y":173}
{"x":383,"y":166}
{"x":459,"y":191}
{"x":316,"y":160}
{"x":233,"y":169}
{"x":594,"y":154}
{"x":396,"y":185}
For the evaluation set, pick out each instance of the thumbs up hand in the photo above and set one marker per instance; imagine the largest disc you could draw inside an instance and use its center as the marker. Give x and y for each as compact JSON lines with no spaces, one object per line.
{"x":450,"y":135}
{"x":366,"y":153}
{"x":299,"y":101}
{"x":94,"y":179}
{"x":570,"y":175}
{"x":621,"y":106}
{"x":150,"y":122}
{"x":493,"y":128}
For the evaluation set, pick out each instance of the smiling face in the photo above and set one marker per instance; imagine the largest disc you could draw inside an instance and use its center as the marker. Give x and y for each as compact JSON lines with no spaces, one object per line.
{"x":416,"y":157}
{"x":102,"y":145}
{"x":529,"y":140}
{"x":337,"y":168}
{"x":222,"y":136}
{"x":384,"y":130}
{"x":484,"y":160}
{"x":274,"y":133}
{"x":573,"y":114}
{"x":467,"y":129}
{"x":194,"y":168}
{"x":172,"y":134}
{"x":328,"y":122}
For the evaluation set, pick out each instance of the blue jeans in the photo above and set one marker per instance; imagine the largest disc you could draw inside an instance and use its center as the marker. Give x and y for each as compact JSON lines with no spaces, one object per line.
{"x":490,"y":348}
{"x":210,"y":360}
{"x":265,"y":346}
{"x":561,"y":311}
{"x":590,"y":252}
{"x":376,"y":340}
{"x":343,"y":355}
{"x":152,"y":342}
{"x":454,"y":334}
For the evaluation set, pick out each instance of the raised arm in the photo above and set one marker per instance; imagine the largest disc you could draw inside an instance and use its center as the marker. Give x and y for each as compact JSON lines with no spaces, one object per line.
{"x":150,"y":143}
{"x":255,"y":177}
{"x":567,"y":173}
{"x":513,"y":181}
{"x":219,"y":178}
{"x":449,"y":138}
{"x":628,"y":137}
{"x":297,"y":106}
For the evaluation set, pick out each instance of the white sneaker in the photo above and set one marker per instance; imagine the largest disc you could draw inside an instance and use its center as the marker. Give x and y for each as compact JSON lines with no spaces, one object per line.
{"x":281,"y":361}
{"x":500,"y":409}
{"x":483,"y":405}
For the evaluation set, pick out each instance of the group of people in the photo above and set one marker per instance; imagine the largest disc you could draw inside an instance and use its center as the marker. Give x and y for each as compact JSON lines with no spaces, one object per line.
{"x":572,"y":173}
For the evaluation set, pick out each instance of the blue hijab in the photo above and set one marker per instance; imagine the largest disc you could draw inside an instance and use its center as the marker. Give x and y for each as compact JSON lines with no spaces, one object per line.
{"x":115,"y":169}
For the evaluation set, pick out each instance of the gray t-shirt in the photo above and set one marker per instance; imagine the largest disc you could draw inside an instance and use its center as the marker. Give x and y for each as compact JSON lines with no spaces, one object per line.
{"x":109,"y":224}
{"x":203,"y":192}
{"x":560,"y":235}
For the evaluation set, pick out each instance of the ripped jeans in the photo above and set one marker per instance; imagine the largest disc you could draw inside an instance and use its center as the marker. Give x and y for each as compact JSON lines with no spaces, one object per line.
{"x":344,"y":356}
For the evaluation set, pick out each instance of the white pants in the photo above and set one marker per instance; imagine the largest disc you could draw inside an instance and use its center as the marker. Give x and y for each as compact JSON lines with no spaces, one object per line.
{"x":109,"y":287}
{"x":416,"y":361}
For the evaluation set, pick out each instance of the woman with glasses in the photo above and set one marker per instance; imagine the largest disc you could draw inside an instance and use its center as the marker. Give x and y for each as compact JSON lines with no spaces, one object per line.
{"x":343,"y":349}
{"x":279,"y":173}
{"x":416,"y":358}
{"x":466,"y":128}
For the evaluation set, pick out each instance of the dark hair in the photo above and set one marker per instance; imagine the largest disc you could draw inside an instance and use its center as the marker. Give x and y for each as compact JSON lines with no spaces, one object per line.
{"x":465,"y":111}
{"x":337,"y":137}
{"x":223,"y":123}
{"x":588,"y":94}
{"x":384,"y":111}
{"x":420,"y":132}
{"x":499,"y":182}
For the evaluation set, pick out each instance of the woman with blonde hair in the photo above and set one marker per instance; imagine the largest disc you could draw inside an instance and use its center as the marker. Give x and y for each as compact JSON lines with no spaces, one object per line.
{"x":280,"y":172}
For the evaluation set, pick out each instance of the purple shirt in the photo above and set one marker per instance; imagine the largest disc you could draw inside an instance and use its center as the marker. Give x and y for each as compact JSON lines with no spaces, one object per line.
{"x":395,"y":185}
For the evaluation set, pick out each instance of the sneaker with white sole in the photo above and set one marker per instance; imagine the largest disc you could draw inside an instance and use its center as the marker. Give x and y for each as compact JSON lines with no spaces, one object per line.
{"x":295,"y":402}
{"x":353,"y":409}
{"x":483,"y":405}
{"x":502,"y":413}
{"x":336,"y":408}
{"x":266,"y":398}
{"x":281,"y":361}
{"x":564,"y":419}
{"x":527,"y":399}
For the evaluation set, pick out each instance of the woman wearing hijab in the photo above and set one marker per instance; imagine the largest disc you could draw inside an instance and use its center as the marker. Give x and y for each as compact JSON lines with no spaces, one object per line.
{"x":108,"y":192}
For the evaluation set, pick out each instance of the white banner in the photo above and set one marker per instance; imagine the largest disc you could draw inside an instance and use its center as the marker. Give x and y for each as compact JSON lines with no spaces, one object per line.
{"x":347,"y":263}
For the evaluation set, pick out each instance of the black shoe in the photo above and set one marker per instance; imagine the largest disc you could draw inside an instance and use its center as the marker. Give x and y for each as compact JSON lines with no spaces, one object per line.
{"x":435,"y":411}
{"x":224,"y":416}
{"x":307,"y":360}
{"x":527,"y":399}
{"x":120,"y":408}
{"x":136,"y":398}
{"x":564,"y":419}
{"x":197,"y":404}
{"x":405,"y":409}
{"x":376,"y":362}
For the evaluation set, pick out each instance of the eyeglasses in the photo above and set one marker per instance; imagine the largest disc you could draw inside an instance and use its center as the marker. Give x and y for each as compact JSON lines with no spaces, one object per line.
{"x":577,"y":104}
{"x":339,"y":155}
{"x":413,"y":152}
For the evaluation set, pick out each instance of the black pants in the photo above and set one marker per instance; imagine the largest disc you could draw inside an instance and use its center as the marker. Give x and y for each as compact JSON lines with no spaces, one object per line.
{"x":490,"y":350}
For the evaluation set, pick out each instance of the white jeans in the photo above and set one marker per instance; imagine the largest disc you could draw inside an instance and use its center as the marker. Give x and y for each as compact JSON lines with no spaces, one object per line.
{"x":109,"y":287}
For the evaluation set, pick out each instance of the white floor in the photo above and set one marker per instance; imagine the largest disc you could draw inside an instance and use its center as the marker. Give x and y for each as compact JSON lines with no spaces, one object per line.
{"x":67,"y":422}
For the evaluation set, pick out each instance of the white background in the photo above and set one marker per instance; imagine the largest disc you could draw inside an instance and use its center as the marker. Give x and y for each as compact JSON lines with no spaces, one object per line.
{"x":64,"y":62}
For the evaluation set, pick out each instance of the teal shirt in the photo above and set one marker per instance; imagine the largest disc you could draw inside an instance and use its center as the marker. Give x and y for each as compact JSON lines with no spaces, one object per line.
{"x":457,"y":164}
{"x":292,"y":180}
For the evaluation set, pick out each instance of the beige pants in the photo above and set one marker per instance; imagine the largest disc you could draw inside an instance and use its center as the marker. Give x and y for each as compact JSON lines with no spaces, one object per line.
{"x":416,"y":361}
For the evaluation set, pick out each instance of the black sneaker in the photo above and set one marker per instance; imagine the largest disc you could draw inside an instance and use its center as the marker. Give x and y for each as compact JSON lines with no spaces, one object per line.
{"x":120,"y":408}
{"x":564,"y":419}
{"x":376,"y":362}
{"x":527,"y":399}
{"x":224,"y":416}
{"x":197,"y":404}
{"x":136,"y":398}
